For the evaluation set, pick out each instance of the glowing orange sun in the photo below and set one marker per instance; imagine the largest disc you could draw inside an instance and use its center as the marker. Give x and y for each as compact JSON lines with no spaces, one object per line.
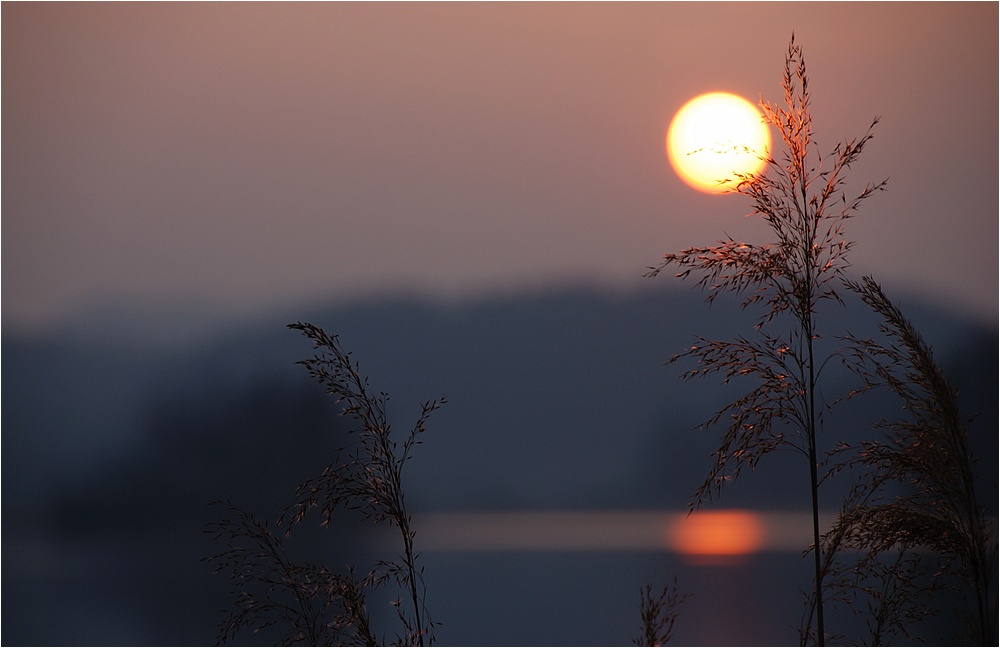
{"x":715,"y":136}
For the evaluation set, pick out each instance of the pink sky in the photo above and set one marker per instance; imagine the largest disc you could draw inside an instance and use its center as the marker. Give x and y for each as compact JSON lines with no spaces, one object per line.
{"x":247,"y":155}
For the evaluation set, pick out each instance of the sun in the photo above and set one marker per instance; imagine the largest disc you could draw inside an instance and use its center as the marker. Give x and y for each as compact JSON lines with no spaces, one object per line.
{"x":715,"y":136}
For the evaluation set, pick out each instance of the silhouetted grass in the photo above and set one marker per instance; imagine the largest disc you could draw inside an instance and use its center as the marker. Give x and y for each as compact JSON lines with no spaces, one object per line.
{"x":317,"y":606}
{"x":658,"y":615}
{"x":912,"y":519}
{"x":801,"y":197}
{"x":320,"y":605}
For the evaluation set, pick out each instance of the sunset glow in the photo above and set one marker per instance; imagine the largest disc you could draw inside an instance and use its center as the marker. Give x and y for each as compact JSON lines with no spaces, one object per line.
{"x":717,"y":535}
{"x":715,"y":136}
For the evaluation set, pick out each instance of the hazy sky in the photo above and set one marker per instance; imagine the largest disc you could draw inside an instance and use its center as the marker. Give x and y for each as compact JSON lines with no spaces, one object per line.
{"x":252,"y":154}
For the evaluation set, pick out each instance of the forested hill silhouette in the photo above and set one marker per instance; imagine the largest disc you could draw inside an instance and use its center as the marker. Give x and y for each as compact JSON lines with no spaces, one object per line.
{"x":114,"y":445}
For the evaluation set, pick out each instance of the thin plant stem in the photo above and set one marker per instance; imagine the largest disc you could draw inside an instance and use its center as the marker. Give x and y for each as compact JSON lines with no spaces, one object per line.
{"x":814,"y":483}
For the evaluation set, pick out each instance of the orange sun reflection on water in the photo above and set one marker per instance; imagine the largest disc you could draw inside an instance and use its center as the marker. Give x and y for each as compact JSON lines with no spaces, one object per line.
{"x":717,"y":537}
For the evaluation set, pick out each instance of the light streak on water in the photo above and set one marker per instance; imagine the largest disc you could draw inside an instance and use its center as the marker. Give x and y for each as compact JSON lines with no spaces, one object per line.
{"x":514,"y":531}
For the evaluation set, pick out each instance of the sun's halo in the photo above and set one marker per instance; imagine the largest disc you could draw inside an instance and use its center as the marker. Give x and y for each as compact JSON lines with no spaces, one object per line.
{"x":713,"y":138}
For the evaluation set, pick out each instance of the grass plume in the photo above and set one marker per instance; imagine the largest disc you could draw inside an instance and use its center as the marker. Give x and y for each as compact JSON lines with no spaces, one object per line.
{"x":366,"y":476}
{"x":914,"y":500}
{"x":801,"y":195}
{"x":659,"y":613}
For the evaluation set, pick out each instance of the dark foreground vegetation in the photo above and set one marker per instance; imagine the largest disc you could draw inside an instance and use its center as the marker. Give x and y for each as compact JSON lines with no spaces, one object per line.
{"x":910,"y":541}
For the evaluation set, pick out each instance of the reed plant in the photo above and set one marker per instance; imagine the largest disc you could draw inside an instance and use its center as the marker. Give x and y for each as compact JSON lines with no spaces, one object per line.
{"x":319,"y":605}
{"x":658,"y":613}
{"x":911,"y":537}
{"x":801,"y":196}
